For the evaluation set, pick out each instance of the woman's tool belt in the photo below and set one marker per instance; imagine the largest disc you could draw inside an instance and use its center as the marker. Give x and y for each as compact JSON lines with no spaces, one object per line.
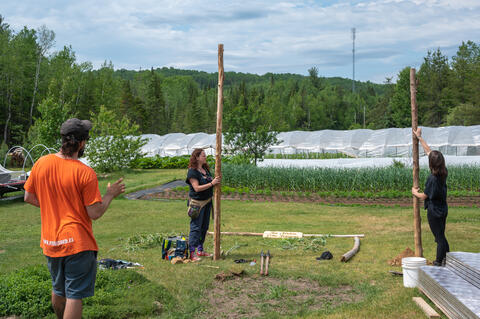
{"x":195,"y":206}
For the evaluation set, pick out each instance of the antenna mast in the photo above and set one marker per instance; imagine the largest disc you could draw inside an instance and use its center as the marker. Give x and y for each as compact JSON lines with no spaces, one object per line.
{"x":353,"y":58}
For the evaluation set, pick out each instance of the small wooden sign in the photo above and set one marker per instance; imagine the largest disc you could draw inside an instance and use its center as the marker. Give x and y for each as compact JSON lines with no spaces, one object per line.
{"x":282,"y":234}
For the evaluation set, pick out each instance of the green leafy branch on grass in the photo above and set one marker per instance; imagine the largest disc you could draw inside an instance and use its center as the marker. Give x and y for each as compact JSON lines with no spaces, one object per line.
{"x":313,"y":244}
{"x":146,"y":241}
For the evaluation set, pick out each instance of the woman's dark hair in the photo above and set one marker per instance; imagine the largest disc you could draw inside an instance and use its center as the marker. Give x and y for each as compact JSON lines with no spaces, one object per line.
{"x":193,"y":159}
{"x":70,"y":145}
{"x":436,"y":162}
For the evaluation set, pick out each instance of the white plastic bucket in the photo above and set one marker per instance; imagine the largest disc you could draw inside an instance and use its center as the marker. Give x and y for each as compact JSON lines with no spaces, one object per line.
{"x":410,"y":267}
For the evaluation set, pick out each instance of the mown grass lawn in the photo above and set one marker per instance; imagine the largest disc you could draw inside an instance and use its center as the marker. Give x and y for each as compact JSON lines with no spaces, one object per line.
{"x":374,"y":292}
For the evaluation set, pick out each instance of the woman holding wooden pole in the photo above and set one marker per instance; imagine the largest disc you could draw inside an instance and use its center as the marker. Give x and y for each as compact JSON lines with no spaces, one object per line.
{"x":200,"y":195}
{"x":435,"y":197}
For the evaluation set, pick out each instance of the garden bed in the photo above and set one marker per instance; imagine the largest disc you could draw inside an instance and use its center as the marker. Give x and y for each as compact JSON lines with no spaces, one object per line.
{"x":453,"y":201}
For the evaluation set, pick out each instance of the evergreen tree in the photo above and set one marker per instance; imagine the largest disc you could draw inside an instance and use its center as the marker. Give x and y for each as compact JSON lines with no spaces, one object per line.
{"x":380,"y":116}
{"x":400,"y":104}
{"x":155,"y":106}
{"x":435,"y":94}
{"x":466,"y":67}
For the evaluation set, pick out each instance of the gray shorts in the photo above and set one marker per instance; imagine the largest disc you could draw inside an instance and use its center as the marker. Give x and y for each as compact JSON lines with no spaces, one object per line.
{"x":73,"y":276}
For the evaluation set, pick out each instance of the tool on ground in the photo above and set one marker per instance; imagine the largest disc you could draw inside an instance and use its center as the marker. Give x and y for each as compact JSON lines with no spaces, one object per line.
{"x":208,"y":266}
{"x":396,"y":273}
{"x":262,"y":255}
{"x":267,"y":262}
{"x":240,"y":261}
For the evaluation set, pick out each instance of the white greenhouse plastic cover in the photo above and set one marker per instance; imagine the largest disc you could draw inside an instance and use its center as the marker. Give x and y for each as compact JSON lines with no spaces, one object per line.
{"x":377,"y":162}
{"x":391,"y":142}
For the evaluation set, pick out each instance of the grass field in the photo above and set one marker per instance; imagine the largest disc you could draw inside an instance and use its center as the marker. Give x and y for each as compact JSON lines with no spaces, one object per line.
{"x":298,"y":285}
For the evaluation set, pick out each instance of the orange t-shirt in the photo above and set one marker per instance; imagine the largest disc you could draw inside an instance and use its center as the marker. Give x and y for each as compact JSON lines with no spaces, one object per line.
{"x":64,"y":187}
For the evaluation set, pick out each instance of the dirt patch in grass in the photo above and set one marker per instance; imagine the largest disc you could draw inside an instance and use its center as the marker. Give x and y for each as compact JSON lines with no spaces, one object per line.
{"x":256,"y":296}
{"x":397,"y":261}
{"x":470,"y":201}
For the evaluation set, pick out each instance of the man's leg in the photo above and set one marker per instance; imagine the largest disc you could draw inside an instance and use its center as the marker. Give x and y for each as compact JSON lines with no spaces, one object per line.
{"x":73,"y":309}
{"x":55,"y":266}
{"x":58,"y":303}
{"x":80,"y":273}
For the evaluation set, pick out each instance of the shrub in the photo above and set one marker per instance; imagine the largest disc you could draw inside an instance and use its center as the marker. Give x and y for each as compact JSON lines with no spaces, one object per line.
{"x":26,"y":293}
{"x":115,"y":142}
{"x":157,"y":162}
{"x":398,"y":164}
{"x":118,"y":294}
{"x":46,"y":129}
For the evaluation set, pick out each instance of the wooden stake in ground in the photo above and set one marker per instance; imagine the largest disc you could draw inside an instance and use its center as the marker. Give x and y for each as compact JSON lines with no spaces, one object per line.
{"x":218,"y":157}
{"x":416,"y":206}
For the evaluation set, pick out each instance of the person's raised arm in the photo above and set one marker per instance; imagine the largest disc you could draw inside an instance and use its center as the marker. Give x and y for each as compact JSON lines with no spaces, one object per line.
{"x":418,"y":134}
{"x":31,"y":198}
{"x":97,"y":210}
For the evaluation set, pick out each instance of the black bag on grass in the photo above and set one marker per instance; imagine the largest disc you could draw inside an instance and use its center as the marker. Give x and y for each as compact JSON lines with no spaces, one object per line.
{"x":326,"y":255}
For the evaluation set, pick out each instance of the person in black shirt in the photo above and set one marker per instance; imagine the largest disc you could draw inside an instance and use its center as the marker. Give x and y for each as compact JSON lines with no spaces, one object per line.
{"x":435,"y":197}
{"x":201,"y":185}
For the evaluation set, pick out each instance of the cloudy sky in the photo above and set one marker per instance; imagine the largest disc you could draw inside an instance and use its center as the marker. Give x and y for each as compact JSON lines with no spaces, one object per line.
{"x":259,"y":35}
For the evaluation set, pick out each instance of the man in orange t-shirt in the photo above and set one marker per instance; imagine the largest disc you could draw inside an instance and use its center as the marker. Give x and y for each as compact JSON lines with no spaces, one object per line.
{"x":66,"y":190}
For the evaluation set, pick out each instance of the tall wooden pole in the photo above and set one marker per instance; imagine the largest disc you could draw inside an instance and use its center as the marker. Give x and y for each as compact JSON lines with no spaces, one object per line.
{"x":218,"y":157}
{"x":417,"y":222}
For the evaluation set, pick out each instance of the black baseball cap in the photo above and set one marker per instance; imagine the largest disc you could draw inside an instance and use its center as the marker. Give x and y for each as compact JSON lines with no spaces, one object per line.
{"x":77,"y":128}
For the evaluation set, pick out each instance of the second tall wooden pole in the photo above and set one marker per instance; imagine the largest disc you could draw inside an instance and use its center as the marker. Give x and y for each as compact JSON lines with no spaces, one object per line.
{"x":417,"y":221}
{"x":218,"y":157}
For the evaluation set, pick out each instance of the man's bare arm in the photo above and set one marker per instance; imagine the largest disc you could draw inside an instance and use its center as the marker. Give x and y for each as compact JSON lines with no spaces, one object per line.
{"x":31,"y":198}
{"x":97,"y":210}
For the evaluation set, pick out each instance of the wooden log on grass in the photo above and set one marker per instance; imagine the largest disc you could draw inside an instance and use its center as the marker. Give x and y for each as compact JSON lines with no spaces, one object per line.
{"x":426,"y":308}
{"x":267,"y":233}
{"x":228,"y":233}
{"x":218,"y":156}
{"x":416,"y":205}
{"x":353,"y":251}
{"x":335,"y":236}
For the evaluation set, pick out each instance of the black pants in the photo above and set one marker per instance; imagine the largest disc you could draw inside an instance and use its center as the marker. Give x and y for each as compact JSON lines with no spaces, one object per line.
{"x":199,"y":228}
{"x":437,"y":225}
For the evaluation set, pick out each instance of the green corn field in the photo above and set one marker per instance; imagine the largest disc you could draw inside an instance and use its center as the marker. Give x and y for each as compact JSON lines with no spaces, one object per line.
{"x":461,"y":178}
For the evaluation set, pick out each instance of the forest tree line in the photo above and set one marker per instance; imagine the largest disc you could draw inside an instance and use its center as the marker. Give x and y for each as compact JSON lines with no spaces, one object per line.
{"x":39,"y":89}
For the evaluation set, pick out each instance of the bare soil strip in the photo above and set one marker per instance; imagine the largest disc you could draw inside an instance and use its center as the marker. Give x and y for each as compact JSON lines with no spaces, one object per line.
{"x":471,"y":201}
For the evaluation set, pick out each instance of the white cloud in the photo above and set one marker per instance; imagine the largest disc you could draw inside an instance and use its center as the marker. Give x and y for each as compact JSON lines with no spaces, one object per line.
{"x":258,"y":35}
